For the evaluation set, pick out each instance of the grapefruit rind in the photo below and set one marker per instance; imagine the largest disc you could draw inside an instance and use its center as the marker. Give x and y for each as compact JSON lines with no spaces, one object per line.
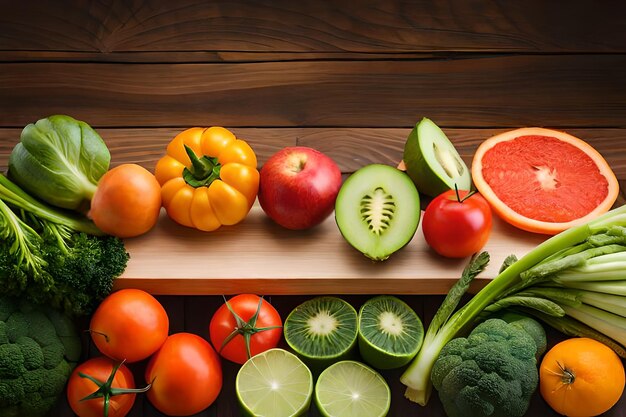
{"x":533,"y":225}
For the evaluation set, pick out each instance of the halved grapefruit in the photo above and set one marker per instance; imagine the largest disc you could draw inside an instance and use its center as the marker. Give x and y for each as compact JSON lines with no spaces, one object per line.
{"x":543,"y":180}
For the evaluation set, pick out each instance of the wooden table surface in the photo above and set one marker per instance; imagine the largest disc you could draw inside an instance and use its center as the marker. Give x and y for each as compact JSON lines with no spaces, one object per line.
{"x":259,"y":256}
{"x":350,"y":78}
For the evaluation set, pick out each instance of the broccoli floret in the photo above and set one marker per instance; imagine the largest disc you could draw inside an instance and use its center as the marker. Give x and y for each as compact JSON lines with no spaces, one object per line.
{"x":54,"y":258}
{"x":11,"y":361}
{"x":84,"y":276}
{"x":82,"y":272}
{"x":34,"y":361}
{"x":492,"y":372}
{"x":31,"y":351}
{"x":531,"y":326}
{"x":535,"y":330}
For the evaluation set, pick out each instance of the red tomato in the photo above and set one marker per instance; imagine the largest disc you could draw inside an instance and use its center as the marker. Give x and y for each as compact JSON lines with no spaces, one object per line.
{"x":186,"y":375}
{"x":129,"y":325}
{"x":264,"y":332}
{"x":99,"y":368}
{"x":457,"y":226}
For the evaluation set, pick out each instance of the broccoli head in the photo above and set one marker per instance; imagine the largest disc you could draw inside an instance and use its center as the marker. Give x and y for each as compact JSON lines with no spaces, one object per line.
{"x":81,"y":272}
{"x":492,"y":372}
{"x":38,"y":349}
{"x":532,"y":327}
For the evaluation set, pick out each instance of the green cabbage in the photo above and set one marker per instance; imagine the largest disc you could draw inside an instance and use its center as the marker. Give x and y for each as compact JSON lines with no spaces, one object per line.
{"x":60,"y":160}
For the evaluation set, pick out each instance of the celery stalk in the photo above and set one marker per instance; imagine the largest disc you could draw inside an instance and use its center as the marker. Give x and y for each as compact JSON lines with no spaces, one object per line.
{"x":417,"y":375}
{"x":573,"y":327}
{"x":438,"y":334}
{"x":607,"y":287}
{"x":608,"y":302}
{"x":575,"y":298}
{"x":610,"y":324}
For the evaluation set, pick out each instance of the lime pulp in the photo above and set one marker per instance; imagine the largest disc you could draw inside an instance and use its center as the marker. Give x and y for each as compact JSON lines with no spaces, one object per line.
{"x":274,"y":383}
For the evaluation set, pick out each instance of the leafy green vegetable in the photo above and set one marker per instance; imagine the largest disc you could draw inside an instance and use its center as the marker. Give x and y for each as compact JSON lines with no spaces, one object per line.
{"x":39,"y":347}
{"x":573,"y":327}
{"x":492,"y":372}
{"x":60,"y":160}
{"x":587,"y":257}
{"x":45,"y":257}
{"x":439,"y":332}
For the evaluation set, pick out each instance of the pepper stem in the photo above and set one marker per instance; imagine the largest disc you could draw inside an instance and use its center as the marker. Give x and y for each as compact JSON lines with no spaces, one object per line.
{"x":203,"y":171}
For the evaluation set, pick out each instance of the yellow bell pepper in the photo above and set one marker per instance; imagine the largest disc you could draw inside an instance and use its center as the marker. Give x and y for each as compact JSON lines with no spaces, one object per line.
{"x":208,"y":178}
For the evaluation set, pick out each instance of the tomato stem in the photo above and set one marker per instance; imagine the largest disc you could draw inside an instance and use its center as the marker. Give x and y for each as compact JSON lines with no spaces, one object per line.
{"x":245,"y":328}
{"x":106,"y":391}
{"x":567,"y":375}
{"x":458,"y":196}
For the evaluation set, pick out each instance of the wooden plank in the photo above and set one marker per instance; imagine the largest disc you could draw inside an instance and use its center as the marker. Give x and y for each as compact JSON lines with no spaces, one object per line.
{"x":350,"y":148}
{"x":573,"y":91}
{"x":200,"y":57}
{"x":259,"y":256}
{"x":308,"y":26}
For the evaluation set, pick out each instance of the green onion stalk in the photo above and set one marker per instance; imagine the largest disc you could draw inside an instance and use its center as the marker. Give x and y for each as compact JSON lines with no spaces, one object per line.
{"x":575,"y":281}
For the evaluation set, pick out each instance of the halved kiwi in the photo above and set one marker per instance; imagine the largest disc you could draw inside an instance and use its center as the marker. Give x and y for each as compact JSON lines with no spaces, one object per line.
{"x":321,"y":331}
{"x":432,"y":161}
{"x":378,"y":210}
{"x":390,"y":332}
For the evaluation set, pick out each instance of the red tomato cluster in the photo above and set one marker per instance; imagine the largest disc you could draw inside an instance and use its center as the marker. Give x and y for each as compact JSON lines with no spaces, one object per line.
{"x":183,"y":374}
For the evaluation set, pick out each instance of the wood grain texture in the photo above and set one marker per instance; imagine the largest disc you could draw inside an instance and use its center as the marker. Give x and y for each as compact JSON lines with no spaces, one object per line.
{"x":313,"y":26}
{"x":261,"y":257}
{"x":350,"y":148}
{"x":200,"y":57}
{"x":573,"y":91}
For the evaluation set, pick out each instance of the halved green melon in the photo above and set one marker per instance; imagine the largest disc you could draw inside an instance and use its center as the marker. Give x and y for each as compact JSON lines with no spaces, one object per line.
{"x":432,"y":162}
{"x":378,"y":210}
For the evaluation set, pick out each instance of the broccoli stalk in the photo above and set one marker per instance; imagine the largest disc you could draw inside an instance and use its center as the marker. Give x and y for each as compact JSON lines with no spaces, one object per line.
{"x":25,"y":250}
{"x":13,"y":195}
{"x":45,"y":255}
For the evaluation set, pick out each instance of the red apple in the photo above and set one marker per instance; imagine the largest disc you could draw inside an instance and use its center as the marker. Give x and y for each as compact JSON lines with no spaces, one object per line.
{"x":298,"y":187}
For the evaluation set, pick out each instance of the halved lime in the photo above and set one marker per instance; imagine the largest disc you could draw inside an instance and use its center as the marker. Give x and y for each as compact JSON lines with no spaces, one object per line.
{"x":322,"y":331}
{"x":351,"y":389}
{"x":390,"y":332}
{"x":274,"y":383}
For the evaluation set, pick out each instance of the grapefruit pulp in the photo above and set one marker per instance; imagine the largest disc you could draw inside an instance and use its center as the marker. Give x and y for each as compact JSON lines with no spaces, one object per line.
{"x":543,"y":180}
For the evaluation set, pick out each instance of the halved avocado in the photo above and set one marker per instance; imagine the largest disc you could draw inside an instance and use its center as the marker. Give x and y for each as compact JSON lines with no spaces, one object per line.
{"x":432,"y":162}
{"x":378,"y":210}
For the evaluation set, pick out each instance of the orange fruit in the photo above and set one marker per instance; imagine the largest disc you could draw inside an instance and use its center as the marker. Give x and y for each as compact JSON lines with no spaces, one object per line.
{"x":127,"y":201}
{"x":543,"y":180}
{"x":581,"y":377}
